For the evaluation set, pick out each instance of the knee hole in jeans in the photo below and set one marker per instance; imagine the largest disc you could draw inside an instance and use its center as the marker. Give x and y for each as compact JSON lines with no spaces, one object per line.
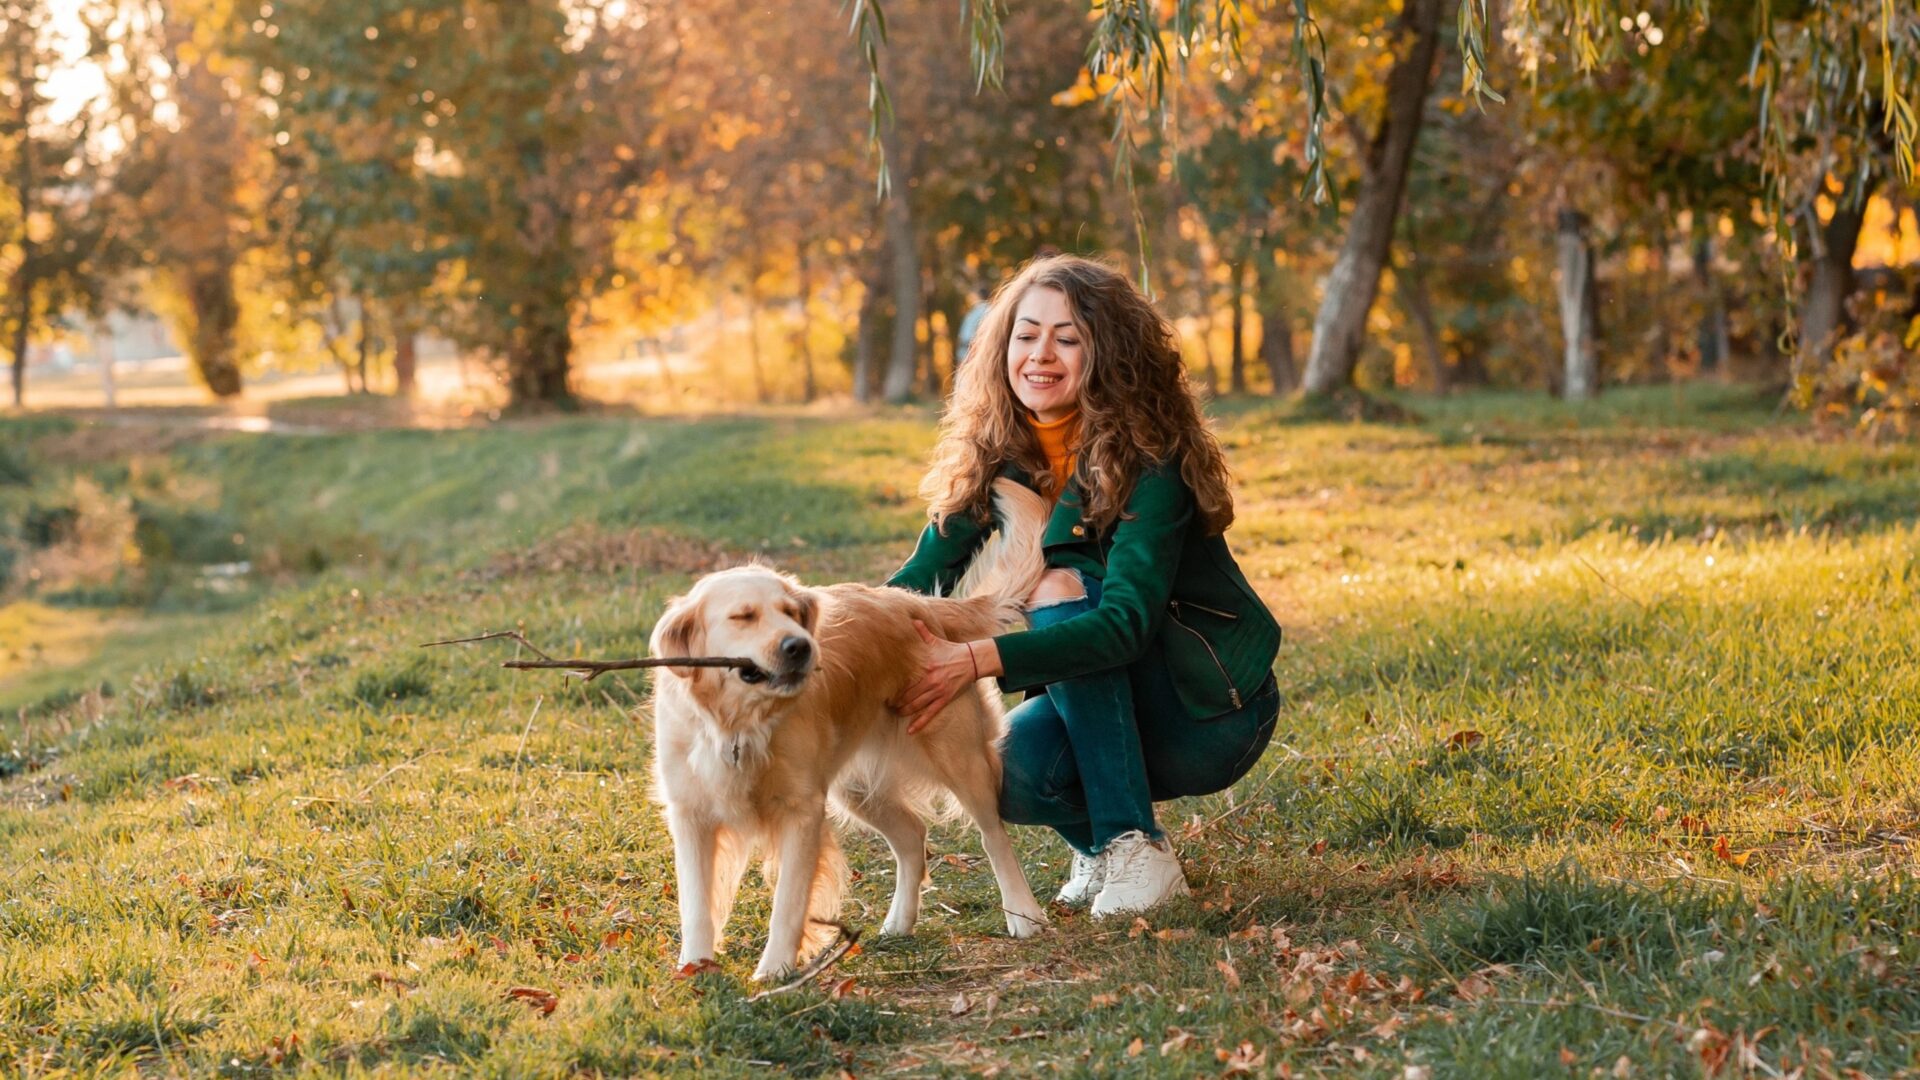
{"x":1055,"y":586}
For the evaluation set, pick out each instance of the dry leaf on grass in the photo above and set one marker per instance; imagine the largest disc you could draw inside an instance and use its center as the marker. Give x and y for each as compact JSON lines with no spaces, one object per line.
{"x":1465,"y":740}
{"x":544,"y":1000}
{"x":1227,"y":972}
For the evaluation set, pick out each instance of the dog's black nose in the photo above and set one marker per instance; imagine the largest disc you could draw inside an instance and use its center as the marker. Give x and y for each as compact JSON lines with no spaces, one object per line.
{"x":795,"y":650}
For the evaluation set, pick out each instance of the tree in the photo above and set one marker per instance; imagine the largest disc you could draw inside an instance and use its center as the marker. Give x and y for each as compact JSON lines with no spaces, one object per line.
{"x":57,"y":186}
{"x":514,"y":131}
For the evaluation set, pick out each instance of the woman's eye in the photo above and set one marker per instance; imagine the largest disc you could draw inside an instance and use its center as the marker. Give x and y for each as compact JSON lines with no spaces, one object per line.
{"x":1068,"y":341}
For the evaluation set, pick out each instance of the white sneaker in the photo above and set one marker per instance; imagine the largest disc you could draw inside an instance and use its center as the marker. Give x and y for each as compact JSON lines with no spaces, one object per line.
{"x":1089,"y":873}
{"x":1140,"y":873}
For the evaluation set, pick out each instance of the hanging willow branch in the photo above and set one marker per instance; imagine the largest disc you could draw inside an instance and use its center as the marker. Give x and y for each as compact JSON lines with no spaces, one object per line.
{"x":589,"y":670}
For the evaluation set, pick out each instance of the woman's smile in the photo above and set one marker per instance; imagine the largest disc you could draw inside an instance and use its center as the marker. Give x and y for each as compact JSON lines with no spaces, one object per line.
{"x":1046,"y":358}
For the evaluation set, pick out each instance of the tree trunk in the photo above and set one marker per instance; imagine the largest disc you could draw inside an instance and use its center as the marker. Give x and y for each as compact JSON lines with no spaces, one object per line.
{"x":406,"y":357}
{"x":26,"y":90}
{"x":753,"y":339}
{"x":216,"y":313}
{"x":540,"y":357}
{"x":1276,"y":349}
{"x":22,"y":323}
{"x":866,"y":344}
{"x":1823,"y":314}
{"x":1712,"y":334}
{"x":1276,"y":324}
{"x":1237,"y":372}
{"x":809,"y":388}
{"x":103,"y":352}
{"x":1339,"y":330}
{"x":904,"y":246}
{"x":1410,"y":285}
{"x":364,"y":351}
{"x":1576,"y":289}
{"x":1203,"y":294}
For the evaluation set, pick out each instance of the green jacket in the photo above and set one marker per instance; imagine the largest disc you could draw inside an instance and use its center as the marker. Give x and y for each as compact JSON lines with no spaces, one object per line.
{"x":1166,"y":587}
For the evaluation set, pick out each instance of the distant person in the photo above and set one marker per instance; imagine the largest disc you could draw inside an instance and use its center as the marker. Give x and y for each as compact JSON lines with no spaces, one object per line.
{"x":969,"y":326}
{"x":1151,"y":654}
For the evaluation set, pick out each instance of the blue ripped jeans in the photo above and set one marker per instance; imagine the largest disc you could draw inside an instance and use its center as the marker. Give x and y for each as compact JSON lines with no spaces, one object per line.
{"x":1090,"y":756}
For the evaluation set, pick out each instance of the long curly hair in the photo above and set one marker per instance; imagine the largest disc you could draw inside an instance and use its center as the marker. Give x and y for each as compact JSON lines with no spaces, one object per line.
{"x":1137,"y":409}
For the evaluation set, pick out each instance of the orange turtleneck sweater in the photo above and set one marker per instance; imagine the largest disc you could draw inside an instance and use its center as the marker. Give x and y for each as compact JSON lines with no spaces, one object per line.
{"x":1060,"y":441}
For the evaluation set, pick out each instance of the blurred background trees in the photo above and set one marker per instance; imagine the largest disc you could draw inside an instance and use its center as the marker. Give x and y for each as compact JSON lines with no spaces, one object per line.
{"x":676,"y":201}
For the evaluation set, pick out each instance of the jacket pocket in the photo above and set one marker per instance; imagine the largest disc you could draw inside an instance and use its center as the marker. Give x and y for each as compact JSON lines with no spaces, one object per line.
{"x":1177,"y":615}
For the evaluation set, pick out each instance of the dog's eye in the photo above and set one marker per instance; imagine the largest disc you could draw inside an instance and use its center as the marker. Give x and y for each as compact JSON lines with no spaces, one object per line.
{"x":743,"y":616}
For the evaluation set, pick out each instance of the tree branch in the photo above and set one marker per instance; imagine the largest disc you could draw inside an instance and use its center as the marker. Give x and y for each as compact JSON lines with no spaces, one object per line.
{"x":589,"y":670}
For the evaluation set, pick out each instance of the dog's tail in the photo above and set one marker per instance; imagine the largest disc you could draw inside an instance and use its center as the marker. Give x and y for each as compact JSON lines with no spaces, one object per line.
{"x":1010,"y":564}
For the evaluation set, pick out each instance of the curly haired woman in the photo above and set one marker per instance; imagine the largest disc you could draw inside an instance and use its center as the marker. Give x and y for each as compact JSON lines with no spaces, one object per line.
{"x":1149,"y":659}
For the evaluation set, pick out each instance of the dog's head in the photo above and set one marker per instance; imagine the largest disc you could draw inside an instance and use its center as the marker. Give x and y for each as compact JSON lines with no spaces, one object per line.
{"x":753,"y":613}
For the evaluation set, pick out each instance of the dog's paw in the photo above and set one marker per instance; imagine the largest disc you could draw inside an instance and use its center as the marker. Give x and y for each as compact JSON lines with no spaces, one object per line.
{"x":768,"y":973}
{"x":897,"y":927}
{"x":1026,"y":925}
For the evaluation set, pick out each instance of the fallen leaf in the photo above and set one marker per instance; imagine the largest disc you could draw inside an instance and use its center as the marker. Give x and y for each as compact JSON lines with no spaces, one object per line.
{"x":842,"y":988}
{"x":697,"y":967}
{"x":279,"y":1050}
{"x":1177,"y":1040}
{"x":1661,"y":814}
{"x":1723,"y":850}
{"x":1244,"y":1058}
{"x":1465,"y":740}
{"x":1227,"y":972}
{"x":1140,"y":926}
{"x":1568,"y":1057}
{"x":544,"y":1000}
{"x":1134,"y":1047}
{"x":960,"y":1005}
{"x":1417,"y":1072}
{"x":1692,"y":825}
{"x":1319,"y":847}
{"x":1101,"y":1001}
{"x":1472,"y":988}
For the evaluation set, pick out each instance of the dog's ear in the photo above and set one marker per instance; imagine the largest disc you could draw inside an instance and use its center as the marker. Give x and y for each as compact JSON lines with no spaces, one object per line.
{"x":680,"y":632}
{"x":807,"y":604}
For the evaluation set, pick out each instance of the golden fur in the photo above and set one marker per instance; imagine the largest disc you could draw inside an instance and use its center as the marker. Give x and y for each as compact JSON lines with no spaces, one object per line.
{"x":747,"y":761}
{"x":1136,"y":406}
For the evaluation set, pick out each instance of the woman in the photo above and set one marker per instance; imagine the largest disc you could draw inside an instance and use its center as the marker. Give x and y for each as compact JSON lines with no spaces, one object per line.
{"x":1149,"y":656}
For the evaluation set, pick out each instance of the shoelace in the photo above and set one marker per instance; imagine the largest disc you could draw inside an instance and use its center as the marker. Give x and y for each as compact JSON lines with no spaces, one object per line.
{"x":1128,"y":865}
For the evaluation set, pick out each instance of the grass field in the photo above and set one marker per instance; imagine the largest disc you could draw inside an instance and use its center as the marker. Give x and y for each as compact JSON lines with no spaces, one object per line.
{"x":1599,"y":758}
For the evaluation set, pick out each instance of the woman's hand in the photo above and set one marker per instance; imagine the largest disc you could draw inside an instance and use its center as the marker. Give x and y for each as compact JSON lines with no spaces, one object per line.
{"x":951,"y":668}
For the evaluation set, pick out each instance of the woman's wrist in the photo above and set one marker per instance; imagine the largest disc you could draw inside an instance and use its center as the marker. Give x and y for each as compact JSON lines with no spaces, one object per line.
{"x":986,"y":658}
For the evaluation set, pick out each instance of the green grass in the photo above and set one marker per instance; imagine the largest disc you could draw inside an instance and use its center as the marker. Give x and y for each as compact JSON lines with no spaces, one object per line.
{"x":1599,"y":745}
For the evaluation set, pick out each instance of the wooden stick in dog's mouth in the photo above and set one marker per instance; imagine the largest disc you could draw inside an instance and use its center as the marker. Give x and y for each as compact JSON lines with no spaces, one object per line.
{"x":589,"y":670}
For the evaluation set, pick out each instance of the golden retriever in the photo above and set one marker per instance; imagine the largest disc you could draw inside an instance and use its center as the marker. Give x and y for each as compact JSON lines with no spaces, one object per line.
{"x":751,"y":759}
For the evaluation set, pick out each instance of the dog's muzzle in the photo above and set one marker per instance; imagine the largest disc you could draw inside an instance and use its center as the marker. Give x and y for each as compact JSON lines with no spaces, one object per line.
{"x":794,"y":665}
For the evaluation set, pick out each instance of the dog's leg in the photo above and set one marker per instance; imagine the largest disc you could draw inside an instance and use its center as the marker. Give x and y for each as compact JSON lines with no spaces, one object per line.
{"x":731,"y":854}
{"x":823,"y":904}
{"x":694,"y":840}
{"x":906,"y":834}
{"x":798,"y":852}
{"x":973,"y":782}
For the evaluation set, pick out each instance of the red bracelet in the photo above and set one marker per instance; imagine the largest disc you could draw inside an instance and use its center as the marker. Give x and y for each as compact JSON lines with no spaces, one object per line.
{"x":972,"y":660}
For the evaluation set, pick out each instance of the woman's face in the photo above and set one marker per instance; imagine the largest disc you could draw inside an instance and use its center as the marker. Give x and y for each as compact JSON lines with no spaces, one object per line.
{"x":1046,"y":359}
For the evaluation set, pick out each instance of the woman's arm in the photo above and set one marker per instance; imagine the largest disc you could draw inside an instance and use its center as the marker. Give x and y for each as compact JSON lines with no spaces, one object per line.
{"x":941,"y":556}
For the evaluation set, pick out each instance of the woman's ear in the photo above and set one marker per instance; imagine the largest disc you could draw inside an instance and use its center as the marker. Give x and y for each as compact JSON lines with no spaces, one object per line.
{"x":680,"y":632}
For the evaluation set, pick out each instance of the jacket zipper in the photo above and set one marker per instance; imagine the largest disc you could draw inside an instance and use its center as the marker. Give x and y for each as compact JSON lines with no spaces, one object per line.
{"x":1173,"y":608}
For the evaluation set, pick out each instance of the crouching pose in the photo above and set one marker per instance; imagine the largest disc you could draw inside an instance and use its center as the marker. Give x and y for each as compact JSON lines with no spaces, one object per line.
{"x":1149,"y":657}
